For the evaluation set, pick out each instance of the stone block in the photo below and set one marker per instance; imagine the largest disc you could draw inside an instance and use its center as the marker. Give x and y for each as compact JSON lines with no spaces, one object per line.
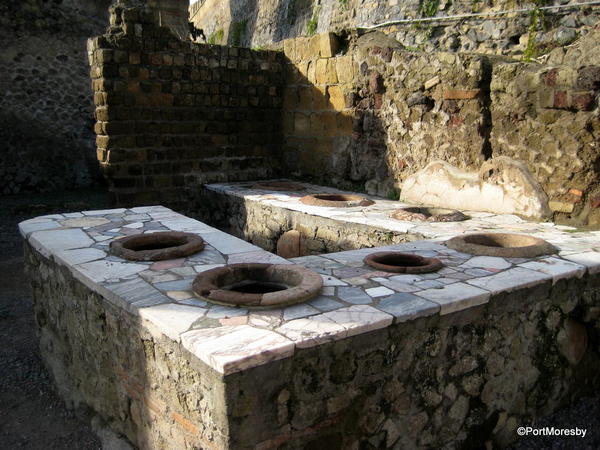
{"x":291,"y":245}
{"x":345,"y":68}
{"x":321,"y":74}
{"x":583,"y":101}
{"x":565,"y":207}
{"x":328,"y":45}
{"x":301,"y":124}
{"x":337,"y":98}
{"x":461,"y":94}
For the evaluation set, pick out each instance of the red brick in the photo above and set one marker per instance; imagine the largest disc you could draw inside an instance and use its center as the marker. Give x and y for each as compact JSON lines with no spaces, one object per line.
{"x":583,"y":102}
{"x":561,"y":99}
{"x":550,"y":77}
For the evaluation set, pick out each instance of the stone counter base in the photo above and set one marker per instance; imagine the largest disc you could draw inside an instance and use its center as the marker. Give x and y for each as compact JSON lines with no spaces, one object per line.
{"x":452,"y":380}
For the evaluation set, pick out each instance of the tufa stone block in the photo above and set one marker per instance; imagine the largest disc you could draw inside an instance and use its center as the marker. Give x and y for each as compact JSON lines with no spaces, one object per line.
{"x":328,"y":45}
{"x":461,"y":94}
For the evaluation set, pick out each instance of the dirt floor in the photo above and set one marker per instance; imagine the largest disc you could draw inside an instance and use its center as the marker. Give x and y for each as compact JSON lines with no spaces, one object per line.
{"x":32,"y":416}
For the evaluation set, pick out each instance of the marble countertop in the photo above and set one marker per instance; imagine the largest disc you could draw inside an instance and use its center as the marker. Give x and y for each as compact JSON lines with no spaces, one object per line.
{"x":355,"y":298}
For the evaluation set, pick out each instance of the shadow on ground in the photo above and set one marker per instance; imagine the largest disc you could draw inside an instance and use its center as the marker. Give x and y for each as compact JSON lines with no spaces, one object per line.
{"x":32,"y":416}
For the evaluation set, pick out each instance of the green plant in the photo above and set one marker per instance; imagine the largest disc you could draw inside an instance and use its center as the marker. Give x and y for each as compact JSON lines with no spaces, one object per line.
{"x":239,"y":29}
{"x":428,"y":8}
{"x":311,"y":26}
{"x":216,"y":37}
{"x":291,"y":12}
{"x":536,"y":18}
{"x":393,"y":194}
{"x":344,"y":4}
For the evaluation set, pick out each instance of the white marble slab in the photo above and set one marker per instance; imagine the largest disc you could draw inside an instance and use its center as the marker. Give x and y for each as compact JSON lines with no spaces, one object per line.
{"x":509,"y":280}
{"x":29,"y":227}
{"x":79,"y":256}
{"x":51,"y":241}
{"x":312,"y":331}
{"x":358,"y":319}
{"x":556,"y":267}
{"x":589,"y":259}
{"x":172,"y":319}
{"x":229,"y":349}
{"x":100,"y":271}
{"x":455,"y":297}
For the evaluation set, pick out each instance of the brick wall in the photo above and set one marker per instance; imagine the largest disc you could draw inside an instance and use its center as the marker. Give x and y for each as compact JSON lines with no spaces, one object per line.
{"x":172,"y":115}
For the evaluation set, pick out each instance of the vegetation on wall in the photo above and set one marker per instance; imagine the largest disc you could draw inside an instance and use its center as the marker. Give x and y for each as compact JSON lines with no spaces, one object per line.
{"x":311,"y":26}
{"x":238,"y":31}
{"x":536,"y":19}
{"x":216,"y":37}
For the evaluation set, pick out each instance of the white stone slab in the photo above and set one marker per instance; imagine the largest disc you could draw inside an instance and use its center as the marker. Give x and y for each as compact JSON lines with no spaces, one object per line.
{"x":172,"y":319}
{"x":29,"y":227}
{"x":589,"y":259}
{"x":229,"y":349}
{"x":509,"y":280}
{"x":380,"y":291}
{"x":488,"y":262}
{"x":186,"y":225}
{"x":358,"y":319}
{"x":79,"y":256}
{"x":260,"y":256}
{"x":104,"y":212}
{"x":312,"y":331}
{"x":51,"y":241}
{"x":405,"y":307}
{"x":556,"y":267}
{"x":328,"y":280}
{"x":100,"y":271}
{"x":228,"y":244}
{"x":455,"y":297}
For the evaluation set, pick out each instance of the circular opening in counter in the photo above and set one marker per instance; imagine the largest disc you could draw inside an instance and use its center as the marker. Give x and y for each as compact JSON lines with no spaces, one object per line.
{"x":402,"y":262}
{"x":427,"y":214}
{"x":257,"y":285}
{"x":279,"y":186}
{"x":509,"y":245}
{"x":336,"y":200}
{"x":157,"y":246}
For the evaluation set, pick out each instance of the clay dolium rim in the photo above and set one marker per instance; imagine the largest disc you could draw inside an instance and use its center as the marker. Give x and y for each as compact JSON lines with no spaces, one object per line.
{"x":157,"y":246}
{"x":508,"y":245}
{"x":399,"y":262}
{"x":336,"y":200}
{"x":257,"y":284}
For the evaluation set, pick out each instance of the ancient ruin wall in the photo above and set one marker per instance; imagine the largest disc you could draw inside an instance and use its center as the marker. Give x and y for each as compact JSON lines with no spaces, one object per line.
{"x":172,"y":115}
{"x":46,"y":107}
{"x":263,"y":22}
{"x":371,"y":114}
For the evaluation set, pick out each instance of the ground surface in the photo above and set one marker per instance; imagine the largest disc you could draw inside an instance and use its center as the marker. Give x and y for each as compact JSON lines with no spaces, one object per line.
{"x":32,"y":416}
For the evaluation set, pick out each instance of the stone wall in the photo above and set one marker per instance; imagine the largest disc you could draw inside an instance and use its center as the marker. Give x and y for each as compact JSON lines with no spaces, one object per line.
{"x":46,"y":107}
{"x":456,"y":380}
{"x":263,"y":225}
{"x":367,"y":113}
{"x":144,"y":386}
{"x":263,"y":22}
{"x":172,"y":114}
{"x":547,"y":115}
{"x":382,"y":112}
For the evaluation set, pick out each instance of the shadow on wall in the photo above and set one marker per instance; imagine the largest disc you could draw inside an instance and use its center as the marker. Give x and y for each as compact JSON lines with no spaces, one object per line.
{"x":290,"y":17}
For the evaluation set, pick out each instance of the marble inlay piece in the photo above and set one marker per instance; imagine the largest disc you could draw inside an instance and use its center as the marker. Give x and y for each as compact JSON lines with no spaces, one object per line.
{"x":405,"y":307}
{"x":256,"y":257}
{"x":509,"y":280}
{"x":104,"y":270}
{"x":230,"y":349}
{"x":171,"y":319}
{"x":227,"y":244}
{"x":485,"y":262}
{"x":299,"y":311}
{"x":557,"y":268}
{"x":312,"y":331}
{"x":379,"y":291}
{"x":50,"y":241}
{"x":103,"y":212}
{"x":353,"y":295}
{"x":456,"y":297}
{"x":79,"y":256}
{"x":359,"y":319}
{"x":30,"y":227}
{"x":84,"y":222}
{"x":589,"y":259}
